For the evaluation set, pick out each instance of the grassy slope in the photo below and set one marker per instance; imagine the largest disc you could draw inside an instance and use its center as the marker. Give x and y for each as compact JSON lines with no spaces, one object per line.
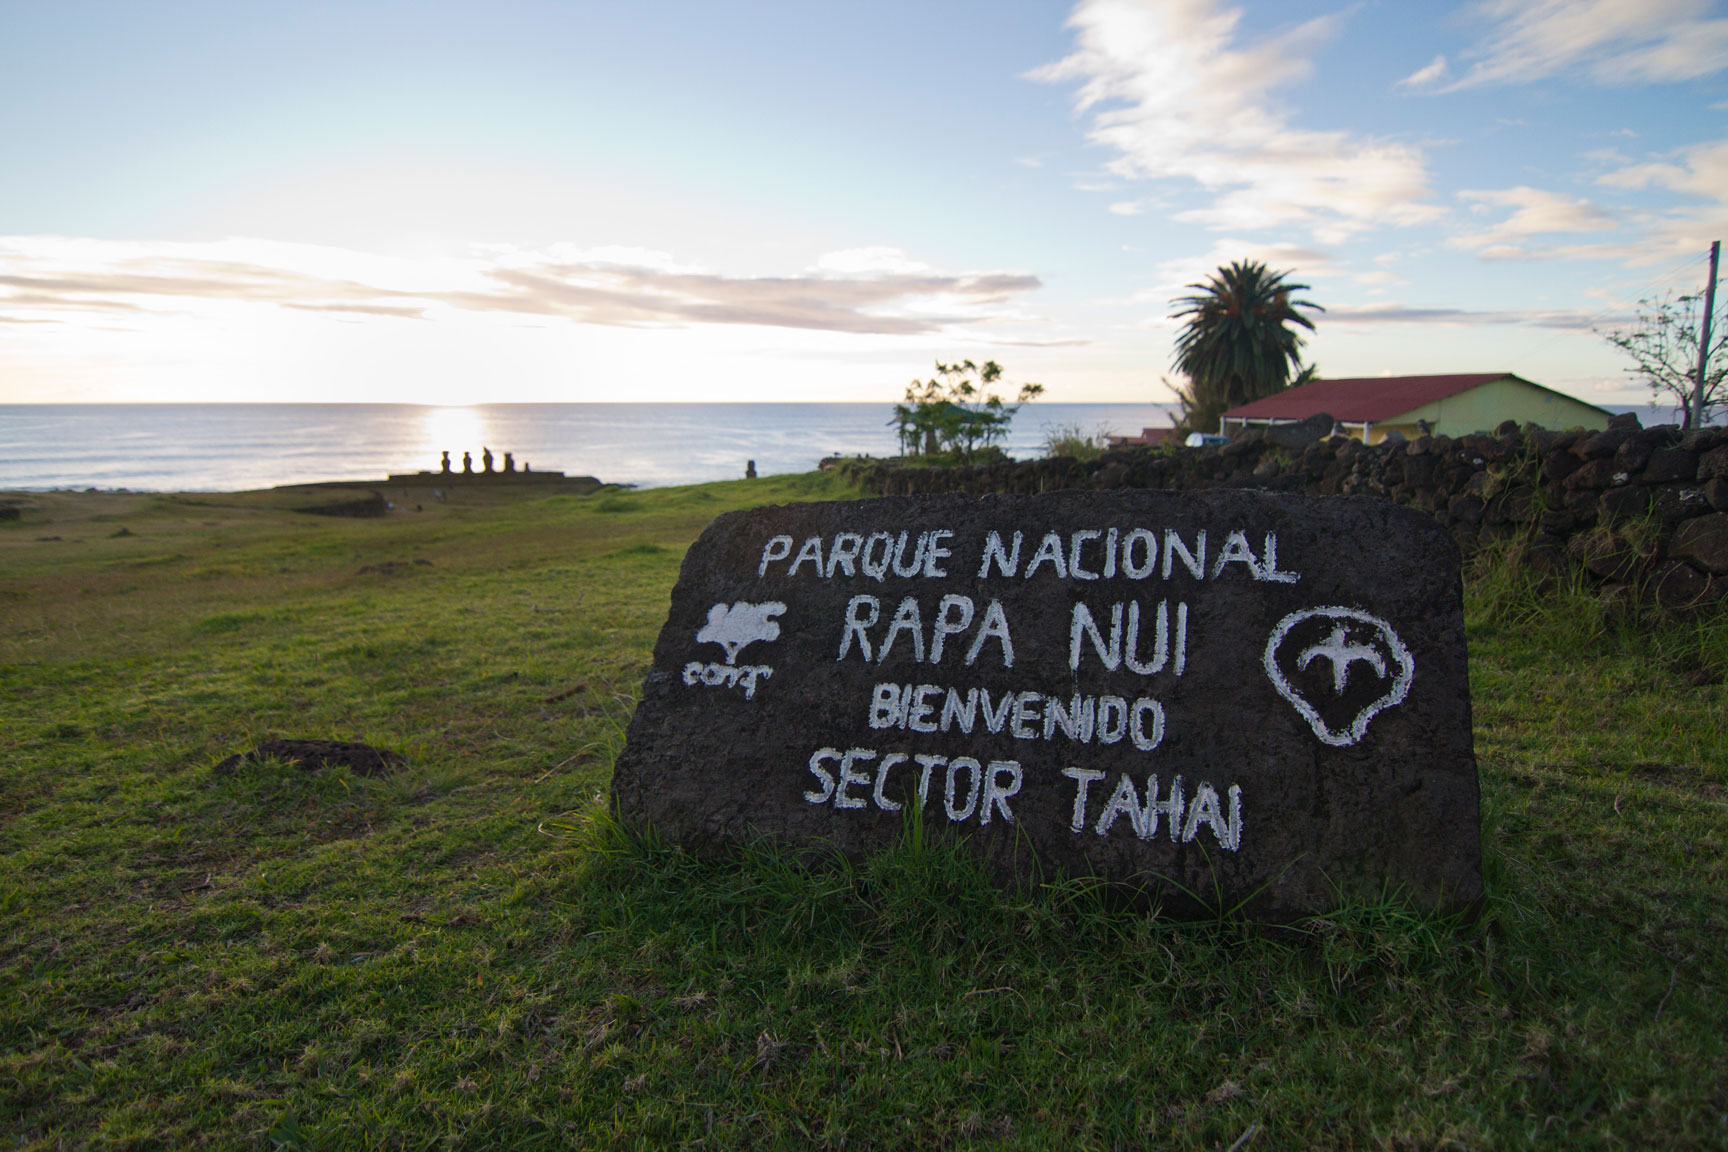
{"x":461,"y":955}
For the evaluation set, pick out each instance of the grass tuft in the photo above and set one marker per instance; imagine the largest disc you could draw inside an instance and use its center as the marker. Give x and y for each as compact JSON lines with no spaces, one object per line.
{"x":1075,"y":442}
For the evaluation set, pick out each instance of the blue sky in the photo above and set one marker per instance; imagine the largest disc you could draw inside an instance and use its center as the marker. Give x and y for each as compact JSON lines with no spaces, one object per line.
{"x":453,"y":203}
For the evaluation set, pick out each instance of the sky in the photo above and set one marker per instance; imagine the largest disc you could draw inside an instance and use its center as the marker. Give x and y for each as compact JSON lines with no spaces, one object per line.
{"x":452,"y":202}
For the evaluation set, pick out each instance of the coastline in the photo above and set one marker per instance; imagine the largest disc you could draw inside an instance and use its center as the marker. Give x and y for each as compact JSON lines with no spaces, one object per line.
{"x":243,"y":447}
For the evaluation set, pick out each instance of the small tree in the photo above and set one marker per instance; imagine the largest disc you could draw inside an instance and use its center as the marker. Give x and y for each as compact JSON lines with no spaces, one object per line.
{"x":955,"y":413}
{"x":1663,"y":345}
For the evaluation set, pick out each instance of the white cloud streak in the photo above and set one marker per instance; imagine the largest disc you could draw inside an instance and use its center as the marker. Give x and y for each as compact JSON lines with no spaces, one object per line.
{"x":1700,"y":172}
{"x":1173,"y":90}
{"x":1426,"y":76}
{"x":1535,"y":212}
{"x":865,"y":291}
{"x":1612,"y":42}
{"x":1379,"y":314}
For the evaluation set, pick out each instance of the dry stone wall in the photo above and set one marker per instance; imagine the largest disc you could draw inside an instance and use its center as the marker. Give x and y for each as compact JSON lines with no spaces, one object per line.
{"x":1640,"y":511}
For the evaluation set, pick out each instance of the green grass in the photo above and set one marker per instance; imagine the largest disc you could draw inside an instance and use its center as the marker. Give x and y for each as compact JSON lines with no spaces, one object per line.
{"x":471,"y":954}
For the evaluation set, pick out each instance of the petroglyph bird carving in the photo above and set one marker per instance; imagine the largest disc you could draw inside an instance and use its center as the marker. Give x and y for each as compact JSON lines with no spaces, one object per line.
{"x":1338,"y":649}
{"x":732,"y":626}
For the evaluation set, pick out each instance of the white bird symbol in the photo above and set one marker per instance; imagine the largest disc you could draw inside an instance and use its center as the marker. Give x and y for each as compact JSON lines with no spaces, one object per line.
{"x":1342,"y":654}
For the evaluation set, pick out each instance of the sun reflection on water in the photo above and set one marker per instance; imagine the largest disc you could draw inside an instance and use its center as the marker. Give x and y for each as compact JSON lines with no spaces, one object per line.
{"x":452,"y":430}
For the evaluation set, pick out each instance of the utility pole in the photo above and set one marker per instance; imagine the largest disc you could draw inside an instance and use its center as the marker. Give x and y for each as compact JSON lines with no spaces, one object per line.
{"x":1697,"y":414}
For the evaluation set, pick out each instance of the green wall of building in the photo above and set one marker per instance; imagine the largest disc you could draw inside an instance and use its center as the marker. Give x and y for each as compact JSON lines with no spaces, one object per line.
{"x":1482,"y":409}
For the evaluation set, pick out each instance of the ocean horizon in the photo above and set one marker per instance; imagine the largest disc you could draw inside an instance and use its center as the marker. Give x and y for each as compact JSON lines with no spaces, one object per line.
{"x":238,"y":447}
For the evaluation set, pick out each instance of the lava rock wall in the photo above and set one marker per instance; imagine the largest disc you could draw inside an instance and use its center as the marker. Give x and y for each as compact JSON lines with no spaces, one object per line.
{"x":1641,"y":512}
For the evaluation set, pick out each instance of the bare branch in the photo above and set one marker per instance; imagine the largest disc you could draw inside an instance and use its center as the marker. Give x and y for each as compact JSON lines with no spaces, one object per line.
{"x":1663,"y":348}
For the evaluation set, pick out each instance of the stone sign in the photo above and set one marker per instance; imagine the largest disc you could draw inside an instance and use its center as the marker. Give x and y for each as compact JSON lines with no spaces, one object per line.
{"x":1227,"y":698}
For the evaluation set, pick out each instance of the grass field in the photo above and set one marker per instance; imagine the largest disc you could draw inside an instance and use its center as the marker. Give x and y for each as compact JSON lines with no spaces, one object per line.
{"x":467,"y":954}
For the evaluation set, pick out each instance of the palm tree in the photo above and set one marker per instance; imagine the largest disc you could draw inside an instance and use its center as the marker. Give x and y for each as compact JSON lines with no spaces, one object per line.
{"x":1236,"y":343}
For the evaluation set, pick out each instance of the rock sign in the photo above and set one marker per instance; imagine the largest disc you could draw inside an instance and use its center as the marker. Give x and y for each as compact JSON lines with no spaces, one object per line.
{"x":1225,"y":699}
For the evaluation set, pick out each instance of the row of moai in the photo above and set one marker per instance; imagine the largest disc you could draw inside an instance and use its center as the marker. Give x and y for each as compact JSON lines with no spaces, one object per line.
{"x":485,"y":463}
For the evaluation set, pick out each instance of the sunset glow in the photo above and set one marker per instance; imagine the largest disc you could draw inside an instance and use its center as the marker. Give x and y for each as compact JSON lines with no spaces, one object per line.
{"x":584,"y":202}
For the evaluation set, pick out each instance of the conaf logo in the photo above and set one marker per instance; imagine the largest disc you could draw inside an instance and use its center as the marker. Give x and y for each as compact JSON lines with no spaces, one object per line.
{"x":732,"y":626}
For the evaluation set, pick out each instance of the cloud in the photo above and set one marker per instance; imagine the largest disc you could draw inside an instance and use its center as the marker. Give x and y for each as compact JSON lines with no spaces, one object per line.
{"x":1371,"y":314}
{"x":1177,"y":275}
{"x":1535,"y":212}
{"x":1173,"y":91}
{"x":142,"y":286}
{"x":1426,"y":76}
{"x":594,"y":294}
{"x":865,"y":291}
{"x":1063,"y":342}
{"x":1699,"y":171}
{"x":622,"y":255}
{"x":1612,"y":41}
{"x":360,"y":309}
{"x":877,"y":260}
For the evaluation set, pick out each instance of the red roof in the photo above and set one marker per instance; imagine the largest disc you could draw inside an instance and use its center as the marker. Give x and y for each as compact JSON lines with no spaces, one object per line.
{"x":1362,"y":399}
{"x":1147,"y":436}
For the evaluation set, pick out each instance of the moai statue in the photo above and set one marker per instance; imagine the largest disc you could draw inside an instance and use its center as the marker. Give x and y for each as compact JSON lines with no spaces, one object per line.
{"x":467,"y":463}
{"x":486,"y":459}
{"x":750,"y":470}
{"x":444,"y":467}
{"x":509,"y":461}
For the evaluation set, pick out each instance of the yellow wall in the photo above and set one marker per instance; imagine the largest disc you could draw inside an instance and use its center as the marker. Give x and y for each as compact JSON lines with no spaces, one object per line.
{"x":1482,"y":409}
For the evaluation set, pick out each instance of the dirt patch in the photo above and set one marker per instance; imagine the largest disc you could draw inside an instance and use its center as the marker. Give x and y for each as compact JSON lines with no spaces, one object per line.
{"x":312,"y":755}
{"x":394,"y":567}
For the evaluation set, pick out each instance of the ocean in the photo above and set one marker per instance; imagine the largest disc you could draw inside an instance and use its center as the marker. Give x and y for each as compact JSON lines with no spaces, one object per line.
{"x":236,"y":447}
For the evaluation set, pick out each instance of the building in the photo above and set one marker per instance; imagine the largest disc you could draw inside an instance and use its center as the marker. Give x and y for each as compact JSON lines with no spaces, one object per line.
{"x":1371,"y":408}
{"x":1151,"y":437}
